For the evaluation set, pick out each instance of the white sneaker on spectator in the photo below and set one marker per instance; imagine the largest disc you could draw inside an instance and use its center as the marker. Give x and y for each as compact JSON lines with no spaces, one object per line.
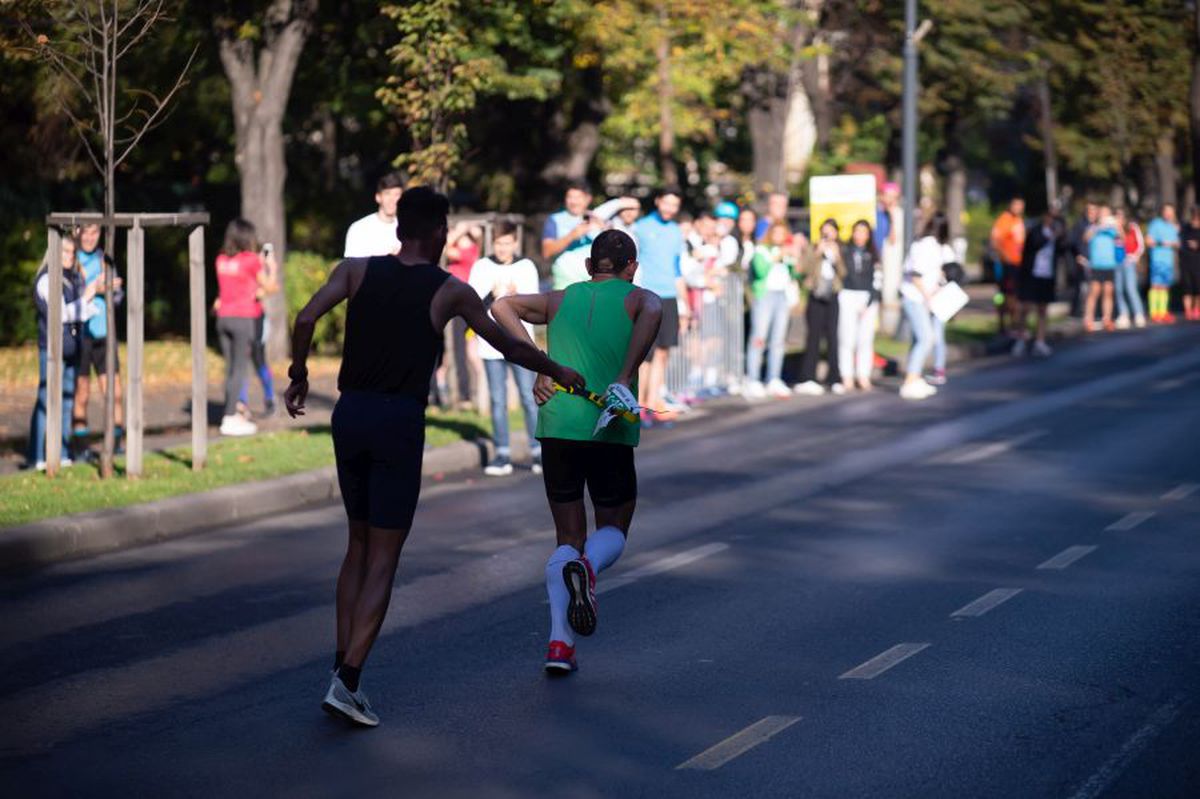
{"x":1139,"y":321}
{"x":754,"y":390}
{"x":777,"y":388}
{"x":837,"y":388}
{"x":40,"y":466}
{"x":1122,"y":323}
{"x":237,"y":425}
{"x":1018,"y":348}
{"x":917,"y":390}
{"x":810,"y":388}
{"x":1042,"y":350}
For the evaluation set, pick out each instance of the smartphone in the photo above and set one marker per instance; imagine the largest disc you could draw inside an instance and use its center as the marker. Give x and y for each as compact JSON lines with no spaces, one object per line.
{"x":268,"y":248}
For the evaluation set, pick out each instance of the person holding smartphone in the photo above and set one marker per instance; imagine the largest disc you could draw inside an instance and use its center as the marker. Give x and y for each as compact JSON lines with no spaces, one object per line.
{"x":241,"y":276}
{"x":258,"y":347}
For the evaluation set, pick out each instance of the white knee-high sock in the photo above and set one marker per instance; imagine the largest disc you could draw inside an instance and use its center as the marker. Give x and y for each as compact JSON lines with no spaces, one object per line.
{"x":603,"y":547}
{"x":556,"y":591}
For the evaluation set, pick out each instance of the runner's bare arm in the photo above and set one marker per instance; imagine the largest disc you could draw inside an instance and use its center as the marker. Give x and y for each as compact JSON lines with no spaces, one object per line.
{"x":647,"y":317}
{"x":461,"y":300}
{"x":340,"y":286}
{"x":510,"y":311}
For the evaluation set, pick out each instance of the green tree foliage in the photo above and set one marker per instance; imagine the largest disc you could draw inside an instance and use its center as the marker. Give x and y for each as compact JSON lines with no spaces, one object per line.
{"x":449,"y":53}
{"x":709,"y":44}
{"x":1119,"y":74}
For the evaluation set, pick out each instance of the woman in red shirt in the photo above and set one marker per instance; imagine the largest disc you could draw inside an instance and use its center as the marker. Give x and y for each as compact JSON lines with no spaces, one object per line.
{"x":1129,"y":299}
{"x":240,"y":278}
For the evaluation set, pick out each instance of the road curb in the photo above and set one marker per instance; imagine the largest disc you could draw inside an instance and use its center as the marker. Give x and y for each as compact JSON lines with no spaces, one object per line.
{"x":32,"y":546}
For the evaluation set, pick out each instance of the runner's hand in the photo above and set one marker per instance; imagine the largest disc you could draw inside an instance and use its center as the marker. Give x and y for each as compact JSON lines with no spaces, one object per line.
{"x":569,"y":378}
{"x":543,"y":389}
{"x":294,"y":397}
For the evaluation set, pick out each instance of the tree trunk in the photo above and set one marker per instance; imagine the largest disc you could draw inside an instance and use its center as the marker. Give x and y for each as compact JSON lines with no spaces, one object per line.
{"x":259,"y":97}
{"x":580,"y":134}
{"x":767,"y":120}
{"x":1049,"y":153}
{"x":1164,"y":167}
{"x":666,"y":114}
{"x":816,"y":85}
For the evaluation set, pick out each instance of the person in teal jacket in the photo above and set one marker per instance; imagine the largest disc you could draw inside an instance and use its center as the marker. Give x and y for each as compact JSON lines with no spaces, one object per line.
{"x":772,"y":271}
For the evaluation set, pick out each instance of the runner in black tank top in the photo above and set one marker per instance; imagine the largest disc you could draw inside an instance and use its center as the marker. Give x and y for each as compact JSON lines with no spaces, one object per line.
{"x":399,"y":306}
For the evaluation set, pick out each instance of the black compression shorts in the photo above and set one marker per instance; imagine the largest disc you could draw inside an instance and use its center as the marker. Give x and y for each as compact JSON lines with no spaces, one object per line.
{"x":606,"y":469}
{"x":92,"y":354}
{"x":379,"y":443}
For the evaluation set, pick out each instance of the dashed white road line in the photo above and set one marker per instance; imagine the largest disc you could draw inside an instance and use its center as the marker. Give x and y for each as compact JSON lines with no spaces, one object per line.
{"x":883,"y":661}
{"x":983,"y":604}
{"x":1137,"y":743}
{"x":1068,"y":556}
{"x":994,"y":448}
{"x":669,"y":563}
{"x":1130,"y":521}
{"x":739,"y":743}
{"x":1181,"y":492}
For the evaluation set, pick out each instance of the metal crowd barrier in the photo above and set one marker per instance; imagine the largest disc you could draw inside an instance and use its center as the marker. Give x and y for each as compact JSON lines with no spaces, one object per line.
{"x":711,"y":357}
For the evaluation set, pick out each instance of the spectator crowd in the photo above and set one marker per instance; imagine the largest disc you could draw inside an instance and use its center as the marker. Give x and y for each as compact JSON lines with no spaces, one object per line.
{"x":759,"y":268}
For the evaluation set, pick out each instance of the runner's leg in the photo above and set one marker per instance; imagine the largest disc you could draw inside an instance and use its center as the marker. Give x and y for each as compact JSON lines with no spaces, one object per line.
{"x":349,"y":585}
{"x":383,"y":547}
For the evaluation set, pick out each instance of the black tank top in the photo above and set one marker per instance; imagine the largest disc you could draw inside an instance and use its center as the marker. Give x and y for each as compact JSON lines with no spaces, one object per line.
{"x":390,"y":345}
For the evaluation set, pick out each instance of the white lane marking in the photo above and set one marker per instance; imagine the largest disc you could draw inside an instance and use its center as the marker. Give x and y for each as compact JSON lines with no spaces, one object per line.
{"x":994,"y":448}
{"x":739,"y":743}
{"x":883,"y":661}
{"x":1130,"y":521}
{"x":1108,"y":773}
{"x":1170,"y":384}
{"x":1065,"y":558}
{"x":1181,"y":492}
{"x":986,"y":602}
{"x":669,"y":563}
{"x":486,"y":545}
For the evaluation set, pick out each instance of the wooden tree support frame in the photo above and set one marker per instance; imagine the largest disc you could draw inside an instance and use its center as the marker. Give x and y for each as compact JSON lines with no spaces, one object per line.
{"x":135,"y":305}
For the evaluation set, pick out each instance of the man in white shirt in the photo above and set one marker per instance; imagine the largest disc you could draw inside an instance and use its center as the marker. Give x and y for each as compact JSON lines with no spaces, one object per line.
{"x":375,"y":234}
{"x":499,"y":275}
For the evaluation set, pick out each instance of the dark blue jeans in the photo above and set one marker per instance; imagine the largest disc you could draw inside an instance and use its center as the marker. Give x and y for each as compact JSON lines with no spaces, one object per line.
{"x":497,"y":377}
{"x":37,"y":423}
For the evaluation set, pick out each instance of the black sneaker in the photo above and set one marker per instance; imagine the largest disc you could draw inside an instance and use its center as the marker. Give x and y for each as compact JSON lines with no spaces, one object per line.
{"x":500,"y":466}
{"x":269,"y":408}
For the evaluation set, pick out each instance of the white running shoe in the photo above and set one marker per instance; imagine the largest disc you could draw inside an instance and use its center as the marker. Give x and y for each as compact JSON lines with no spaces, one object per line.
{"x":1018,"y":348}
{"x":837,"y":388}
{"x":237,"y":425}
{"x":1042,"y":350}
{"x":754,"y":390}
{"x":1122,"y":323}
{"x":1139,"y":321}
{"x":63,"y":462}
{"x":777,"y":388}
{"x":917,"y":390}
{"x":810,"y":388}
{"x":350,"y":705}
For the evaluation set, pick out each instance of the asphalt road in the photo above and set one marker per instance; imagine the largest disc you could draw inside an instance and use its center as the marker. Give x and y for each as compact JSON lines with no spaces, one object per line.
{"x":993,"y":593}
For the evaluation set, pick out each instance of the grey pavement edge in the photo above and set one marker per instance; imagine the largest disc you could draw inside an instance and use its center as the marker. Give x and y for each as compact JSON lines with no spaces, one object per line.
{"x":28,"y":547}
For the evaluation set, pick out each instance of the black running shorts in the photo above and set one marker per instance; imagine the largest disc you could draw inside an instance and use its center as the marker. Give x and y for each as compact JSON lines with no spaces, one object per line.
{"x":668,"y":331}
{"x":379,"y":443}
{"x":1104,"y":275}
{"x":92,"y":352}
{"x":606,"y":469}
{"x":1189,"y":277}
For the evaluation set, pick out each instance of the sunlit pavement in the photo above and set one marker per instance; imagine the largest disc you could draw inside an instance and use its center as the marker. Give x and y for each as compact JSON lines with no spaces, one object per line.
{"x":992,"y":593}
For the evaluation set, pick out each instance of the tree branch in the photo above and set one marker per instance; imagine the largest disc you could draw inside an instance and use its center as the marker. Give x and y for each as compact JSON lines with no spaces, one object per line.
{"x":158,"y":110}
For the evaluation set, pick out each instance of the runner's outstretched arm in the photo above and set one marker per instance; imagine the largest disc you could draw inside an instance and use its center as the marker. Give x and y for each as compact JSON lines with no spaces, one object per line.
{"x":646,"y":320}
{"x":336,"y":289}
{"x":510,"y":311}
{"x":462,"y":301}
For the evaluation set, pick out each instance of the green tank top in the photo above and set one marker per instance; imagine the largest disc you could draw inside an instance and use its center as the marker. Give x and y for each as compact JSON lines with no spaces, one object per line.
{"x":590,"y":333}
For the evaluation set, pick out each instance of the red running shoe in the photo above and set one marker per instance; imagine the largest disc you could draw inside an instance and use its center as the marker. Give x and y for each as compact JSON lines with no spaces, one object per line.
{"x":560,"y":658}
{"x":581,"y":583}
{"x":1168,"y":318}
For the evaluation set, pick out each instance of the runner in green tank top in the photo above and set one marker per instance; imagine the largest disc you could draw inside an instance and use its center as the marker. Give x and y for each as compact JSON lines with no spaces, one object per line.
{"x":603,"y":329}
